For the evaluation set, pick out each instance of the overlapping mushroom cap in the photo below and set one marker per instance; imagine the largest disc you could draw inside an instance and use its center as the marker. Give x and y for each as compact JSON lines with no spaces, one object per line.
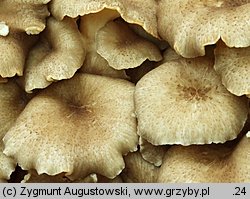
{"x":122,"y":48}
{"x":184,"y":102}
{"x":7,"y":165}
{"x":58,"y":55}
{"x":233,"y":65}
{"x":12,"y":102}
{"x":79,"y":126}
{"x":90,"y":24}
{"x":103,"y":37}
{"x":152,"y":154}
{"x":13,"y":52}
{"x":131,"y":11}
{"x":22,"y":15}
{"x":138,"y":170}
{"x":190,"y":25}
{"x":225,"y":163}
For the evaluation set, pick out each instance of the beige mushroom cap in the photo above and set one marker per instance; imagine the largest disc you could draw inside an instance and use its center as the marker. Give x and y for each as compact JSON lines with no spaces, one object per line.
{"x":94,"y":63}
{"x":151,"y":153}
{"x":17,"y":44}
{"x":58,"y":55}
{"x":79,"y":126}
{"x":124,"y":49}
{"x":233,"y":65}
{"x":97,"y":65}
{"x":131,"y":11}
{"x":23,"y":15}
{"x":33,"y":177}
{"x":190,"y":25}
{"x":12,"y":102}
{"x":7,"y":165}
{"x":138,"y":170}
{"x":207,"y":163}
{"x":183,"y":102}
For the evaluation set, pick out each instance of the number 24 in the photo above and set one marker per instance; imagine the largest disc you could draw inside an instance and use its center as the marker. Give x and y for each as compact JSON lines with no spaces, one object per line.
{"x":240,"y":191}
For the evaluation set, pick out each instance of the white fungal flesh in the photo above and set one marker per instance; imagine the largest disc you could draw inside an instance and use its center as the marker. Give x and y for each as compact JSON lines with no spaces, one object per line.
{"x":4,"y":29}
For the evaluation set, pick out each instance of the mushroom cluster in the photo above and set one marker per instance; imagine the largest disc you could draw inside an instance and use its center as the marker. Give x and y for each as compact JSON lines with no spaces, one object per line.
{"x":124,"y":91}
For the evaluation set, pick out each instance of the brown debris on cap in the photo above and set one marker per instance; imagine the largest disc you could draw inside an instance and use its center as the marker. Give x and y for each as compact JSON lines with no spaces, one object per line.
{"x":138,"y":170}
{"x":131,"y":11}
{"x":94,"y":63}
{"x":190,"y":25}
{"x":13,"y":52}
{"x":58,"y":55}
{"x":124,"y":49}
{"x":233,"y":65}
{"x":151,"y":153}
{"x":219,"y":163}
{"x":23,"y":15}
{"x":184,"y":102}
{"x":12,"y":102}
{"x":78,"y":126}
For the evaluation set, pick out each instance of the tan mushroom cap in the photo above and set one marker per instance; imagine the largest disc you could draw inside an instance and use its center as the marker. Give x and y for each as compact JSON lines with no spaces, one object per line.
{"x":57,"y":55}
{"x":12,"y":101}
{"x":138,"y":170}
{"x":23,"y":15}
{"x":94,"y":63}
{"x":233,"y":65}
{"x":190,"y":25}
{"x":79,"y":126}
{"x":131,"y":11}
{"x":207,"y":163}
{"x":183,"y":102}
{"x":97,"y":65}
{"x":7,"y":165}
{"x":124,"y":49}
{"x":33,"y":177}
{"x":17,"y":44}
{"x":151,"y":153}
